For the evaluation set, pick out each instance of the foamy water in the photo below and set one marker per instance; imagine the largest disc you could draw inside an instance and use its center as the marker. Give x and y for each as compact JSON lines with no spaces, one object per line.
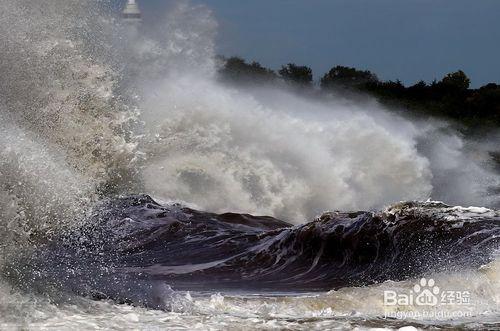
{"x":360,"y":308}
{"x":89,"y":108}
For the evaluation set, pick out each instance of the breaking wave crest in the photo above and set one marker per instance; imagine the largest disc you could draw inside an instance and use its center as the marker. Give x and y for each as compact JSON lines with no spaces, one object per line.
{"x":274,"y":152}
{"x":148,"y":114}
{"x":135,"y":251}
{"x":91,"y":110}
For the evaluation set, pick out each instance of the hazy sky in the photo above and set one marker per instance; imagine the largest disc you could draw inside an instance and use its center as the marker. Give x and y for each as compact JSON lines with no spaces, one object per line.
{"x":405,"y":39}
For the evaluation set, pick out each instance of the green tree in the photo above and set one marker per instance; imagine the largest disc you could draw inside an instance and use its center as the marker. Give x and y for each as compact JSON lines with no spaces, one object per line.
{"x":347,"y":77}
{"x":456,"y":80}
{"x":301,"y":75}
{"x":236,"y":69}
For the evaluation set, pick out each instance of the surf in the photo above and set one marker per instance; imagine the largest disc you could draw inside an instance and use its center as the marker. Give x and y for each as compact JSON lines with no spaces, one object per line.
{"x":96,"y":117}
{"x":134,"y":246}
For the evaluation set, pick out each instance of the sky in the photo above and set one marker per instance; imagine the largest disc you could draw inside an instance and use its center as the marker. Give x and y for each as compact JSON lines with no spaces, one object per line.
{"x":410,"y":40}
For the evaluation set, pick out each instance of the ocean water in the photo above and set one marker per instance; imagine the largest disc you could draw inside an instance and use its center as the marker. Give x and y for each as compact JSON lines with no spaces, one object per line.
{"x":94,"y":112}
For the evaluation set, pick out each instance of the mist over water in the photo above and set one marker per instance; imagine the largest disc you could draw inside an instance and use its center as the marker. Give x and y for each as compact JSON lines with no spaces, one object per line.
{"x":149,"y":115}
{"x":91,"y":109}
{"x":271,"y":151}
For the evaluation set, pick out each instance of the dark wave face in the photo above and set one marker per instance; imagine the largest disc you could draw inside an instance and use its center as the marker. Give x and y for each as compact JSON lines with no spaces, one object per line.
{"x":134,"y":250}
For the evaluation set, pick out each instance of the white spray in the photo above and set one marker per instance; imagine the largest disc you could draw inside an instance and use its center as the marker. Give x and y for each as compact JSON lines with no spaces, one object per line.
{"x":270,"y":151}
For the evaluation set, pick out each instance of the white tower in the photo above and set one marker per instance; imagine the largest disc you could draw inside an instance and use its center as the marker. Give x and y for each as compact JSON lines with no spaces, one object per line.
{"x":132,"y":13}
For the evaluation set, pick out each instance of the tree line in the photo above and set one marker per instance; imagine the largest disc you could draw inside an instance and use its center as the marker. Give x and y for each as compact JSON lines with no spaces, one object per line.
{"x":451,"y":97}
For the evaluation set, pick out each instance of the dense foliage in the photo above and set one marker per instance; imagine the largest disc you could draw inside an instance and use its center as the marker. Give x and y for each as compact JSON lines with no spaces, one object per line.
{"x":451,"y":97}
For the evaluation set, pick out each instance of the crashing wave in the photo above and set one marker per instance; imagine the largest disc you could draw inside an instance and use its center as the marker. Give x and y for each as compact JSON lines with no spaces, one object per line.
{"x":134,"y":247}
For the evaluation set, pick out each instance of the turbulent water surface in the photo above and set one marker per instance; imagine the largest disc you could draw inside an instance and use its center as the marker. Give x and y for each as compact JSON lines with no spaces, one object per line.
{"x":94,"y":113}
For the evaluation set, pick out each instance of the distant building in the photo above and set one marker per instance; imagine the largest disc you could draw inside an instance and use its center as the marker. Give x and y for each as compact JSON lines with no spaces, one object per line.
{"x":132,"y":13}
